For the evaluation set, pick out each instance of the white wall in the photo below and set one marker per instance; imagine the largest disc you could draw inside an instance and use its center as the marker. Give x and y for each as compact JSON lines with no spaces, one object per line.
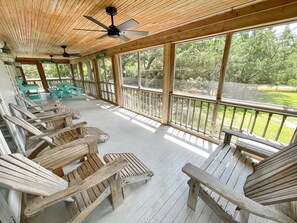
{"x":7,"y":95}
{"x":7,"y":89}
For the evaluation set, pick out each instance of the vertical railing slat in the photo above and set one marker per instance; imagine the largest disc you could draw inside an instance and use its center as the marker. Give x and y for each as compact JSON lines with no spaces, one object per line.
{"x":232,"y":119}
{"x":280,"y":127}
{"x":267,"y":124}
{"x":206,"y":118}
{"x":188,"y":112}
{"x":242,"y":120}
{"x":223,"y":119}
{"x":254,"y":122}
{"x":193,"y":114}
{"x":199,"y":118}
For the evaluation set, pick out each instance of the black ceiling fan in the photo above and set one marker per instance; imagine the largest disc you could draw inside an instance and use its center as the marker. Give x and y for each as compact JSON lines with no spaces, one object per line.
{"x":48,"y":61}
{"x":65,"y":54}
{"x":113,"y":31}
{"x":5,"y":49}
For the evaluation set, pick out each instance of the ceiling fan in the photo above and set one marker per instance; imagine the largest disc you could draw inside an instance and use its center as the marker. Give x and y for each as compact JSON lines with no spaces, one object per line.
{"x":5,"y":49}
{"x":113,"y":31}
{"x":65,"y":54}
{"x":48,"y":61}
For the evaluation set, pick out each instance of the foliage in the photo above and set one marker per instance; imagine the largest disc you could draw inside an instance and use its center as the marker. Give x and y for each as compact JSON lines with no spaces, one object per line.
{"x":30,"y":71}
{"x":87,"y":70}
{"x":198,"y":65}
{"x":151,"y":68}
{"x":64,"y":70}
{"x":50,"y":70}
{"x":263,"y":56}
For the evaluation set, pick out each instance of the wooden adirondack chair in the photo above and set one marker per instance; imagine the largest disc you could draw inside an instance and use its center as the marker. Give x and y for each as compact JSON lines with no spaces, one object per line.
{"x":51,"y":138}
{"x":88,"y":185}
{"x":228,"y":181}
{"x":48,"y":109}
{"x":60,"y":156}
{"x":57,"y":121}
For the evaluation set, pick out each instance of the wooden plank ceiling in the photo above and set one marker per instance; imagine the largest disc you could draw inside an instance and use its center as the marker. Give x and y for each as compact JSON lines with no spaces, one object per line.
{"x":37,"y":28}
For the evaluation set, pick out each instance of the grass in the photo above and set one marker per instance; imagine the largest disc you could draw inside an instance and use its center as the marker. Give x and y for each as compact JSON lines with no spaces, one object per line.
{"x":279,"y":98}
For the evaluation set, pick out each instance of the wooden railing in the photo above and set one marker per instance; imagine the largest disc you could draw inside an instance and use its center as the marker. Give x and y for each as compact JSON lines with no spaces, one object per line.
{"x":78,"y":83}
{"x":144,"y":101}
{"x":35,"y":81}
{"x":209,"y":117}
{"x":90,"y":88}
{"x":52,"y":81}
{"x":107,"y":91}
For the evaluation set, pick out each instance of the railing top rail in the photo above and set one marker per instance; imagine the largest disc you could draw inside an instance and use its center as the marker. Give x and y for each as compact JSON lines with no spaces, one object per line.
{"x":33,"y":79}
{"x":262,"y":108}
{"x":89,"y":81}
{"x":143,"y":89}
{"x":252,"y":106}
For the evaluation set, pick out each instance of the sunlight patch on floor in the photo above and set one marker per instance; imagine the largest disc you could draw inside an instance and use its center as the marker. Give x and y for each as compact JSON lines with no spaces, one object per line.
{"x":123,"y":116}
{"x":186,"y":146}
{"x":141,"y":124}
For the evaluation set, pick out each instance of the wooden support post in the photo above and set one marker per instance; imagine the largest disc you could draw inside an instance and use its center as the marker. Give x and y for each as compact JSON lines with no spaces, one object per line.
{"x":22,"y":73}
{"x":42,"y":76}
{"x":227,"y":138}
{"x":96,"y":77}
{"x":224,"y":65}
{"x":116,"y":190}
{"x":168,"y":76}
{"x":118,"y":79}
{"x":194,"y":187}
{"x":72,"y":73}
{"x":81,"y":74}
{"x":221,"y":82}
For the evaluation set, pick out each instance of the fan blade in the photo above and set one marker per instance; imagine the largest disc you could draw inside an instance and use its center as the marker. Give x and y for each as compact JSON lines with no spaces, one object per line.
{"x":125,"y":38}
{"x":96,"y":21}
{"x":103,"y":36}
{"x":131,"y":32}
{"x":128,"y":24}
{"x":95,"y":30}
{"x":74,"y":54}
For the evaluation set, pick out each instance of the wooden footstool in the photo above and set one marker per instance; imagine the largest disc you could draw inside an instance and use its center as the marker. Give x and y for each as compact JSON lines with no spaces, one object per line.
{"x":135,"y":171}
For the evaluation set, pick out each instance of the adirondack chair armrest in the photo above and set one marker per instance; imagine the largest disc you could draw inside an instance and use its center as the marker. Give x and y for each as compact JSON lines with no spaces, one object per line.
{"x":233,"y":196}
{"x":58,"y":131}
{"x":46,"y":108}
{"x":252,"y":138}
{"x":63,"y":155}
{"x":51,"y":117}
{"x":104,"y":173}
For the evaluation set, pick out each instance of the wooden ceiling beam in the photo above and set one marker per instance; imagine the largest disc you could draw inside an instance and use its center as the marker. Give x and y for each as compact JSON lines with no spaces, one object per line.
{"x":255,"y":15}
{"x":25,"y":60}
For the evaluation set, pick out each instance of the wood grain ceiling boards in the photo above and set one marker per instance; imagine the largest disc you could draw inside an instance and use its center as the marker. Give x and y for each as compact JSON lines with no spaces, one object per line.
{"x":37,"y":28}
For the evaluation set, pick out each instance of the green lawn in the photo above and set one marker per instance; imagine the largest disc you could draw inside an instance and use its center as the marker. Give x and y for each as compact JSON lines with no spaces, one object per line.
{"x":279,"y":98}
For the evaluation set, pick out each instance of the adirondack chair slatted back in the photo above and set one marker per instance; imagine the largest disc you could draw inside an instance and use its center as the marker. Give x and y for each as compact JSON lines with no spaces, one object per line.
{"x":27,"y":126}
{"x":274,"y":179}
{"x":28,"y":101}
{"x":19,"y":173}
{"x":25,"y":113}
{"x":63,"y":121}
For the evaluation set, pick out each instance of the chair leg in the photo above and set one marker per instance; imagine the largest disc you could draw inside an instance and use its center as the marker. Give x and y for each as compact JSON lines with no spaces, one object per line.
{"x":116,"y":190}
{"x":193,"y":194}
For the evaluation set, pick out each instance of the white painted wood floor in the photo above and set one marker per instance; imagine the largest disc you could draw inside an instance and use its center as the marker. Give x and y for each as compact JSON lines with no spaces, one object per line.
{"x":163,"y":149}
